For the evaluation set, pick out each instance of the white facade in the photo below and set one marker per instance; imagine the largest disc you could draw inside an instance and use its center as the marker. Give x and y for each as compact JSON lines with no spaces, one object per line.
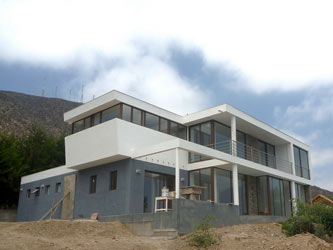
{"x":118,"y":139}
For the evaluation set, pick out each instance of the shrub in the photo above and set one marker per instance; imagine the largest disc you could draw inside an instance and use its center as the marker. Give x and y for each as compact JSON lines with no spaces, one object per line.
{"x":316,"y":219}
{"x":203,"y":236}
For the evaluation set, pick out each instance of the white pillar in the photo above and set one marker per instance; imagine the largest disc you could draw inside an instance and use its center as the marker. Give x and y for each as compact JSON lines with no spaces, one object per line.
{"x":293,"y":195}
{"x":233,"y":135}
{"x":235,"y":184}
{"x":291,"y":158}
{"x":177,"y":173}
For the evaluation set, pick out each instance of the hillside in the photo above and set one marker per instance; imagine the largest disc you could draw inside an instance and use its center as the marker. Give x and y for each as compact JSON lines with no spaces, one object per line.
{"x":18,"y":111}
{"x":86,"y":235}
{"x":317,"y":190}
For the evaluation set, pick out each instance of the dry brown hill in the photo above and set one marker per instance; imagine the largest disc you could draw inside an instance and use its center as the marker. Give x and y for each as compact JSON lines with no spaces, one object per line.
{"x":18,"y":111}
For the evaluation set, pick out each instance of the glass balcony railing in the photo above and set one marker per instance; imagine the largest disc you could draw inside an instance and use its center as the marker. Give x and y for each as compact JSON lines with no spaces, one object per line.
{"x":248,"y":153}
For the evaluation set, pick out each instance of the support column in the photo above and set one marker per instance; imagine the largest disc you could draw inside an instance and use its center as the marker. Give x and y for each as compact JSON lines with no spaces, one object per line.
{"x":291,"y":158}
{"x":293,"y":196}
{"x":235,"y":184}
{"x":177,"y":175}
{"x":233,"y":135}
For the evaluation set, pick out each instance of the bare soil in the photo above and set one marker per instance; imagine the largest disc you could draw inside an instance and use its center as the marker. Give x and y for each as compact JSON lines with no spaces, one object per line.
{"x":70,"y":235}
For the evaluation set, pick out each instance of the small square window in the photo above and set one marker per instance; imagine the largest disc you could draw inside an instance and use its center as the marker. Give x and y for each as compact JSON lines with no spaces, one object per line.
{"x":93,"y":181}
{"x":47,"y":189}
{"x":58,"y":187}
{"x":113,"y":180}
{"x":37,"y":191}
{"x":28,"y":193}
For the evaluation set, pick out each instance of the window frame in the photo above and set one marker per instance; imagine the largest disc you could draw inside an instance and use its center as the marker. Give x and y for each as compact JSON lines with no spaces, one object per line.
{"x":58,"y":187}
{"x":93,"y":184}
{"x":113,"y":184}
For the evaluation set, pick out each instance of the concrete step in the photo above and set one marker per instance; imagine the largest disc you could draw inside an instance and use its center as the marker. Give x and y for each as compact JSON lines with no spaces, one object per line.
{"x":168,"y":232}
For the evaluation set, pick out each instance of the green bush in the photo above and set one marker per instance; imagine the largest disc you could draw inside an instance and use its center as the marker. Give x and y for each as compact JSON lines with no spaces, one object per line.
{"x":316,"y":219}
{"x":203,"y":237}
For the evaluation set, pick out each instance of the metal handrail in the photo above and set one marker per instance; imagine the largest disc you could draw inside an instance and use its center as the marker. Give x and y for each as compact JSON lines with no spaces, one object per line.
{"x":250,"y":153}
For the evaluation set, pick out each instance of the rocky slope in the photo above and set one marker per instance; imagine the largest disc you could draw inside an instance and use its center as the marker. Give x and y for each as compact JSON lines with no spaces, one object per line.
{"x":18,"y":111}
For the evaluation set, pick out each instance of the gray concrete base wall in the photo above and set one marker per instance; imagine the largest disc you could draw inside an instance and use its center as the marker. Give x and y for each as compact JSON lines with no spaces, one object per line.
{"x":186,"y":216}
{"x":8,"y":215}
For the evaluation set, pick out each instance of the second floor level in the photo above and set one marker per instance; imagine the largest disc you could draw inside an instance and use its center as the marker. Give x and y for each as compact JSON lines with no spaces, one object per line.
{"x":247,"y":138}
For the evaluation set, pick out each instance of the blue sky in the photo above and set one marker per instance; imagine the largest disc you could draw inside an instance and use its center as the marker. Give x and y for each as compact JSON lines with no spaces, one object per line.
{"x":271,"y":59}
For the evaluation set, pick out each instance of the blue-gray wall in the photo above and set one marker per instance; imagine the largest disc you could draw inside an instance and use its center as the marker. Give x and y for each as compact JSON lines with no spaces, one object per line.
{"x":127,"y":198}
{"x":35,"y":207}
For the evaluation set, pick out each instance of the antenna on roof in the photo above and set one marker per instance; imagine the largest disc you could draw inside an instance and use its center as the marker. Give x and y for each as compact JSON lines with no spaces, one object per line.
{"x":70,"y":94}
{"x":56,"y":91}
{"x":82,"y":93}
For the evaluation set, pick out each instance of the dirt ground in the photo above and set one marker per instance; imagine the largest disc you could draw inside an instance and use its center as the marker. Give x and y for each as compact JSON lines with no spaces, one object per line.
{"x":70,"y":235}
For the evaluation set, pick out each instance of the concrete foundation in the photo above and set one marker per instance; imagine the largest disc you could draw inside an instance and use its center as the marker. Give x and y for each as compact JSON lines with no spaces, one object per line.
{"x":8,"y":215}
{"x":185,"y":217}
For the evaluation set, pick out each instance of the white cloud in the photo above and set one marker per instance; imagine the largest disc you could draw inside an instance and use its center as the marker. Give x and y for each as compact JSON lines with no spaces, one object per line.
{"x":153,"y":79}
{"x":322,"y":157}
{"x":274,"y":45}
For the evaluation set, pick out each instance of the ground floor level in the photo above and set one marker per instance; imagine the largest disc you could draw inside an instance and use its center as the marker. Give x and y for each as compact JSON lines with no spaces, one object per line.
{"x":130,"y":187}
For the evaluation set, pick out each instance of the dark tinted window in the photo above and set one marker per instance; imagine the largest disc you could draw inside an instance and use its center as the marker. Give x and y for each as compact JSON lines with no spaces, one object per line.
{"x":87,"y":122}
{"x":47,"y":189}
{"x":173,"y":129}
{"x":164,"y":125}
{"x":182,"y":132}
{"x":152,"y":121}
{"x":58,"y":187}
{"x":37,"y":191}
{"x":28,"y":193}
{"x":78,"y":126}
{"x":93,"y":180}
{"x":96,"y":119}
{"x":111,"y":113}
{"x":127,"y":110}
{"x":137,"y":116}
{"x":113,"y":180}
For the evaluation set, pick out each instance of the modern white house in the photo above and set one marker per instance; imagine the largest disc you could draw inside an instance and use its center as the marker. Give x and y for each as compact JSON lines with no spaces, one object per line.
{"x":123,"y":151}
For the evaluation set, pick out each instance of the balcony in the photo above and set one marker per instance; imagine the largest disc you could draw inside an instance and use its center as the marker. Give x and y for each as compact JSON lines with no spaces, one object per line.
{"x":248,"y":153}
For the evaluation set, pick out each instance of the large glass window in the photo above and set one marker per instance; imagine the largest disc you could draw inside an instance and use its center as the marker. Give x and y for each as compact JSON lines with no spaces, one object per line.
{"x":266,"y":154}
{"x":200,"y":134}
{"x":223,"y":186}
{"x":96,"y":119}
{"x":111,"y":113}
{"x":301,"y":162}
{"x":182,"y":132}
{"x":173,"y":128}
{"x":127,"y":112}
{"x":153,"y":184}
{"x":164,"y":125}
{"x":241,"y":145}
{"x":273,"y":196}
{"x":277,"y":196}
{"x":222,"y":137}
{"x":152,"y":121}
{"x":78,"y":126}
{"x":137,"y":116}
{"x":87,"y":122}
{"x":263,"y":206}
{"x":300,"y":192}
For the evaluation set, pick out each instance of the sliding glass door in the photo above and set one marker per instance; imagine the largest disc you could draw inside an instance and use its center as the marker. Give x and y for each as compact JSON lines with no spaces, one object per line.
{"x":153,"y":184}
